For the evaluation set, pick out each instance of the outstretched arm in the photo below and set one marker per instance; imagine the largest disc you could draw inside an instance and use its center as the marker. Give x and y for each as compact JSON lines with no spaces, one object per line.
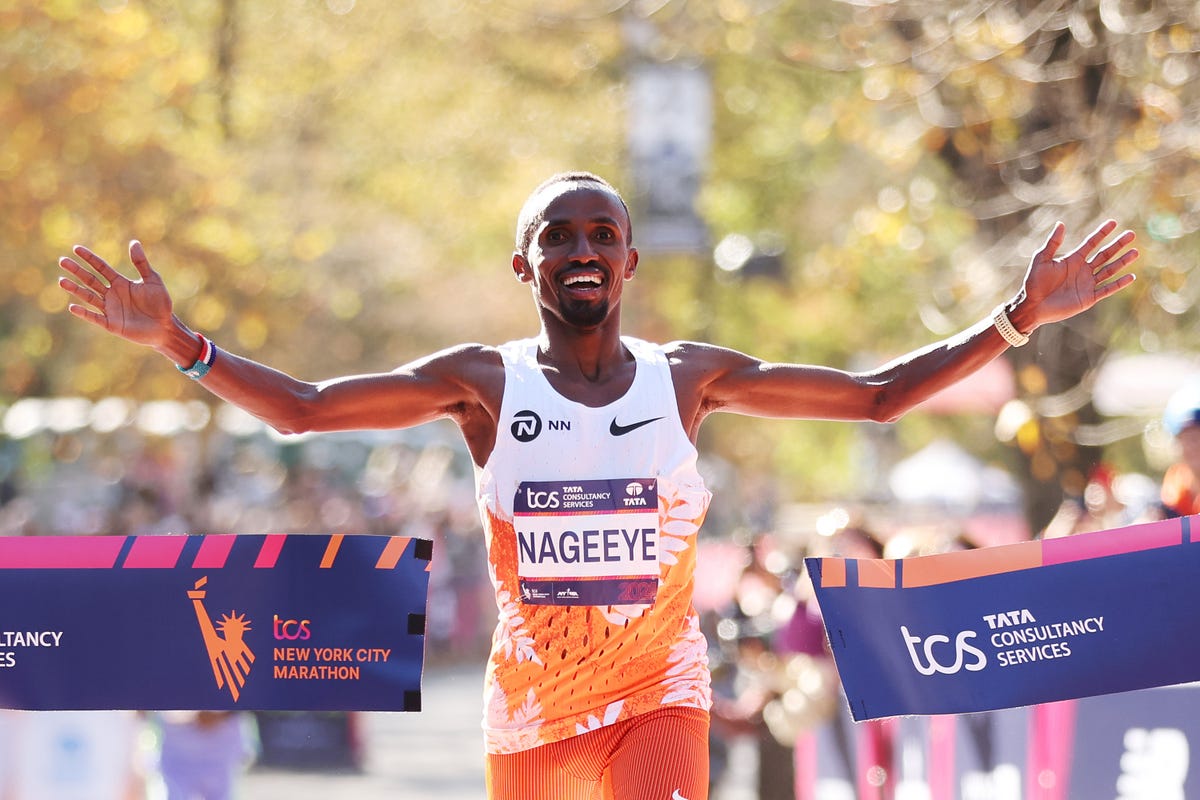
{"x":1055,"y":287}
{"x":457,"y":383}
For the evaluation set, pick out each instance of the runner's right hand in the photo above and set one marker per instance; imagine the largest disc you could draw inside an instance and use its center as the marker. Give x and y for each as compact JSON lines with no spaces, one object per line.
{"x":139,"y":311}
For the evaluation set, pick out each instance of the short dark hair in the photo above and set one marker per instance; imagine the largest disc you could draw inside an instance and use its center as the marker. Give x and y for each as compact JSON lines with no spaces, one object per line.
{"x":531,"y":216}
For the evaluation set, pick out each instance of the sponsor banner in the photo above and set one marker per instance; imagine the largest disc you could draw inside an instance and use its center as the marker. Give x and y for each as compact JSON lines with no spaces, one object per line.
{"x":1003,"y":627}
{"x":592,"y":542}
{"x":222,"y":622}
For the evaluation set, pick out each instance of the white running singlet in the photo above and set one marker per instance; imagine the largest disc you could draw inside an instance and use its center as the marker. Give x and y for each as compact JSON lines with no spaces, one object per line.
{"x":591,"y":517}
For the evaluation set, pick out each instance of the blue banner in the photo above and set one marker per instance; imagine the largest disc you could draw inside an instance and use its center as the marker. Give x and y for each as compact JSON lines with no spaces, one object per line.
{"x":1004,"y":627}
{"x":251,"y":622}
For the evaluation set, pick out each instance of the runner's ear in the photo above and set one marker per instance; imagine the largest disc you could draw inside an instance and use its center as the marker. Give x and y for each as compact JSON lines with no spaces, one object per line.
{"x":521,"y":268}
{"x":631,"y":264}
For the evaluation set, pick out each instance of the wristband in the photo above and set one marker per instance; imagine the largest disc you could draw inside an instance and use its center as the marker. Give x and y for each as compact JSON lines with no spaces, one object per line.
{"x":1007,"y":329}
{"x":208,"y":354}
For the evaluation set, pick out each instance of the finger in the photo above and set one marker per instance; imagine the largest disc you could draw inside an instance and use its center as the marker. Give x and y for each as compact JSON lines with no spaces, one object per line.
{"x":1114,"y":247}
{"x":1053,"y":241}
{"x":137,"y":254}
{"x":87,"y":314}
{"x":97,"y":263}
{"x":1112,"y":287}
{"x":82,"y":275}
{"x":1113,"y":267}
{"x":1093,"y":240}
{"x":80,"y":292}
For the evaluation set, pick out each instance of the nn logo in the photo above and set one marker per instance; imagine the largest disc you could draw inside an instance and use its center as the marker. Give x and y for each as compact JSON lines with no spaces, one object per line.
{"x":526,"y":426}
{"x":927,"y":662}
{"x":228,"y":652}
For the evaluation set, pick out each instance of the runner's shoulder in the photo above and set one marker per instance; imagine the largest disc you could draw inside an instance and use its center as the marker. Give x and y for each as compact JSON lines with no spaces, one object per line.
{"x":468,"y":354}
{"x":471,"y":363}
{"x":687,"y":356}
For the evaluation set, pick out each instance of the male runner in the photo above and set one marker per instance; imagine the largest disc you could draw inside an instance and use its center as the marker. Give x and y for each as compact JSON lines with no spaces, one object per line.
{"x":584,"y":443}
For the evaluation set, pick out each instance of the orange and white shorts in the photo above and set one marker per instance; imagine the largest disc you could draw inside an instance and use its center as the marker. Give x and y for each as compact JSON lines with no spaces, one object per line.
{"x":660,"y":755}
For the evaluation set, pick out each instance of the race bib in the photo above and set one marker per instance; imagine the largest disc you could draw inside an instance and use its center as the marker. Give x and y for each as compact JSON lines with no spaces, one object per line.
{"x":587,"y":543}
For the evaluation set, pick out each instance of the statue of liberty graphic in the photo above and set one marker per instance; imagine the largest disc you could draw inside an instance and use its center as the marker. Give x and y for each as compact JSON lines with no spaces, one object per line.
{"x":231,"y":657}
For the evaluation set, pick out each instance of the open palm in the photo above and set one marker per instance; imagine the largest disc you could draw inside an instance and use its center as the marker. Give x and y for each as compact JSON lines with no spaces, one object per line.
{"x":1062,"y":286}
{"x":134,"y":310}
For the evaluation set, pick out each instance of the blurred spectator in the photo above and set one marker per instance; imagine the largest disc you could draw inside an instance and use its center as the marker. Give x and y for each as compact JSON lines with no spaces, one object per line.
{"x":743,"y":668}
{"x":202,"y":753}
{"x":70,"y":755}
{"x":739,"y":703}
{"x":1180,"y":492}
{"x":1097,"y":509}
{"x":773,"y":675}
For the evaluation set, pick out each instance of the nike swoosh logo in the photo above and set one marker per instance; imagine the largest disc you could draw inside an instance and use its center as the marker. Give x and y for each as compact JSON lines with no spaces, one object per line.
{"x":675,"y":795}
{"x":620,"y":430}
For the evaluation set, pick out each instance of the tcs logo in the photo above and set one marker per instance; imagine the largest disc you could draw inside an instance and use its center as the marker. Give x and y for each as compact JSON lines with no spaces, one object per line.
{"x":930,"y":663}
{"x":292,"y":629}
{"x":541,"y":500}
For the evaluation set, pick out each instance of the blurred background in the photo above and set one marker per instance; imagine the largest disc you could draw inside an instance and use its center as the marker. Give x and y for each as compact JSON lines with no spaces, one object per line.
{"x":332,"y":185}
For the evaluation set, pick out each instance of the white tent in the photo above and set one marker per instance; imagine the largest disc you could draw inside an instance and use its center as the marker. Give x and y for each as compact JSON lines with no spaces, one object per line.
{"x":944,"y":475}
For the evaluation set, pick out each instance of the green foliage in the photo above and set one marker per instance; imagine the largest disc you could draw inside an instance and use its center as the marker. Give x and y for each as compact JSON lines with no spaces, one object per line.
{"x":335,"y":189}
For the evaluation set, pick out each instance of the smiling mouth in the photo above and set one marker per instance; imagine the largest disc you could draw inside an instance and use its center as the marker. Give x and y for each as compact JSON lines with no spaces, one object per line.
{"x":582,"y":280}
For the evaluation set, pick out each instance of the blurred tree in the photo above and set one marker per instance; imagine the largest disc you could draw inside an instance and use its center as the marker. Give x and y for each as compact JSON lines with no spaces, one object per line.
{"x":102,"y":135}
{"x":930,"y":147}
{"x":850,"y":236}
{"x":1078,"y":111}
{"x":333,"y":182}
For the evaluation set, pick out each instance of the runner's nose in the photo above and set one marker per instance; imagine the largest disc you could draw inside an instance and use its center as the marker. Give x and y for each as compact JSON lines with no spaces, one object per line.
{"x":582,"y":250}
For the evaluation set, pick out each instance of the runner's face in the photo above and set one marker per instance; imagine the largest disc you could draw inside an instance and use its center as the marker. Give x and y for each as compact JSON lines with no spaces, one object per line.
{"x":579,"y":255}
